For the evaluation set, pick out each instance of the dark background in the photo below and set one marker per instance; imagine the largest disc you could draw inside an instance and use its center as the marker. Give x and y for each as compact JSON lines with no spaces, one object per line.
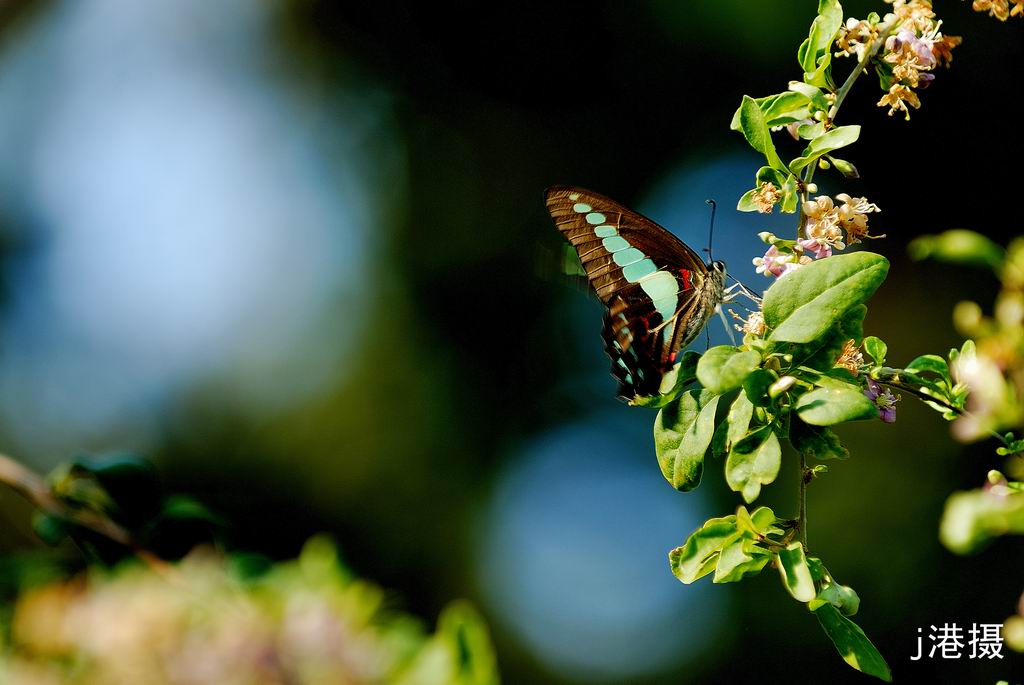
{"x":457,"y":433}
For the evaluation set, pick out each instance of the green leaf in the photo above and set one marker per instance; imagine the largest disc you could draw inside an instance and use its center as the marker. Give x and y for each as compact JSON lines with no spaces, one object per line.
{"x":764,"y":520}
{"x":739,"y":559}
{"x":815,"y":53}
{"x":754,"y":128}
{"x":958,"y":247}
{"x":804,"y":305}
{"x":876,"y":348}
{"x":766,"y":174}
{"x":842,"y":597}
{"x":812,"y":93}
{"x":824,"y":144}
{"x":930,"y":363}
{"x":816,"y":442}
{"x":698,"y":556}
{"x":459,"y":653}
{"x":753,"y":462}
{"x":779,"y":109}
{"x":724,"y":367}
{"x":755,"y":386}
{"x":672,"y":383}
{"x":823,"y":353}
{"x":811,"y":131}
{"x":796,"y":575}
{"x":734,"y":427}
{"x":759,"y":522}
{"x":823,"y":31}
{"x":829,"y":406}
{"x":682,"y":433}
{"x":971,"y":519}
{"x":851,"y":642}
{"x":818,"y":100}
{"x":822,"y":76}
{"x":746,"y":202}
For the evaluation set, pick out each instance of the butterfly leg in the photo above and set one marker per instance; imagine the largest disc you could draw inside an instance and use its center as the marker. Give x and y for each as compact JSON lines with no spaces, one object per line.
{"x":731,"y":293}
{"x":737,"y":289}
{"x":725,"y":322}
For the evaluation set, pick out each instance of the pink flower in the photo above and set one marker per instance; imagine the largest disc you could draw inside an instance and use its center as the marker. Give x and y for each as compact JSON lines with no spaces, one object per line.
{"x":773,"y":262}
{"x":819,"y":249}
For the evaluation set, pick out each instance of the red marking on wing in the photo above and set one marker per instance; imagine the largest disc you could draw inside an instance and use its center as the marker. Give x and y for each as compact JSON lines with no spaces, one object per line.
{"x":686,"y":279}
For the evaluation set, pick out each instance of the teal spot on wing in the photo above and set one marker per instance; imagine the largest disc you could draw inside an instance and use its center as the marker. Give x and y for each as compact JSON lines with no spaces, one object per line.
{"x":605,"y":231}
{"x":595,"y":218}
{"x":627,"y":257}
{"x":615,"y":243}
{"x":666,"y":306}
{"x":582,"y":207}
{"x":634,"y":272}
{"x":661,"y":287}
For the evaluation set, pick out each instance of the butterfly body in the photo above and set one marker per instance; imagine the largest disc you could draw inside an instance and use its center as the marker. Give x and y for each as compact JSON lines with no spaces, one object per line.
{"x":658,"y":292}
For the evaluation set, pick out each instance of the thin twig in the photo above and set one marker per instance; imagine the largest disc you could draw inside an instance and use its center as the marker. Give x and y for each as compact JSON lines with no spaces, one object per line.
{"x":33,"y":487}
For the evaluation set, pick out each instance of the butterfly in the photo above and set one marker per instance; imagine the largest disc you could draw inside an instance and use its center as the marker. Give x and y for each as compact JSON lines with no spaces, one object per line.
{"x":658,"y":292}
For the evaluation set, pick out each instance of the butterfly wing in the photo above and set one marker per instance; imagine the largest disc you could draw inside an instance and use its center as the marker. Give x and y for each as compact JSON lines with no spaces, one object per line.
{"x":652,"y":283}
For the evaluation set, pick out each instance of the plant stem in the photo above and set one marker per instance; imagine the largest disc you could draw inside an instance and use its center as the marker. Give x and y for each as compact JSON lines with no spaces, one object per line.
{"x":884,"y":31}
{"x":33,"y":487}
{"x":802,"y":523}
{"x":897,"y":385}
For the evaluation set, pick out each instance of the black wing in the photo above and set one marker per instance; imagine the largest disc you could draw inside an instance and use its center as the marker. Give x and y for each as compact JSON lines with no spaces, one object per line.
{"x":649,"y":279}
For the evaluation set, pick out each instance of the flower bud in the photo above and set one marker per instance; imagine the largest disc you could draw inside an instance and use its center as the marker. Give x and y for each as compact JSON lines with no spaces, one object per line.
{"x":780,"y":386}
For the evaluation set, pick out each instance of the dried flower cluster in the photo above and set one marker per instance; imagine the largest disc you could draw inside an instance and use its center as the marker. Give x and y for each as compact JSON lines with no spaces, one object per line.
{"x":827,"y":227}
{"x":766,"y":197}
{"x":754,"y":323}
{"x":916,"y":47}
{"x":1000,"y":9}
{"x":855,"y":37}
{"x":851,"y":358}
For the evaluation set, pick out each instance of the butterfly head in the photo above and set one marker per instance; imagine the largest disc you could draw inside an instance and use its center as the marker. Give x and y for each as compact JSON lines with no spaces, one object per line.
{"x":716,"y":271}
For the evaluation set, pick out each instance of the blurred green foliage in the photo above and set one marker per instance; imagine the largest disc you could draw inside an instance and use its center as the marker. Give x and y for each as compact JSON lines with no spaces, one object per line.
{"x":208,"y":620}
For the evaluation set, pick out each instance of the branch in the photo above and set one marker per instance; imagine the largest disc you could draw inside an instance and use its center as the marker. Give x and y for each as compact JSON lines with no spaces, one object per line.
{"x":33,"y":487}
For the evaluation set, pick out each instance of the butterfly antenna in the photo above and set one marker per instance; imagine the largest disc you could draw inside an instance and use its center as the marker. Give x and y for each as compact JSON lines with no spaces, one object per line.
{"x":711,"y":229}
